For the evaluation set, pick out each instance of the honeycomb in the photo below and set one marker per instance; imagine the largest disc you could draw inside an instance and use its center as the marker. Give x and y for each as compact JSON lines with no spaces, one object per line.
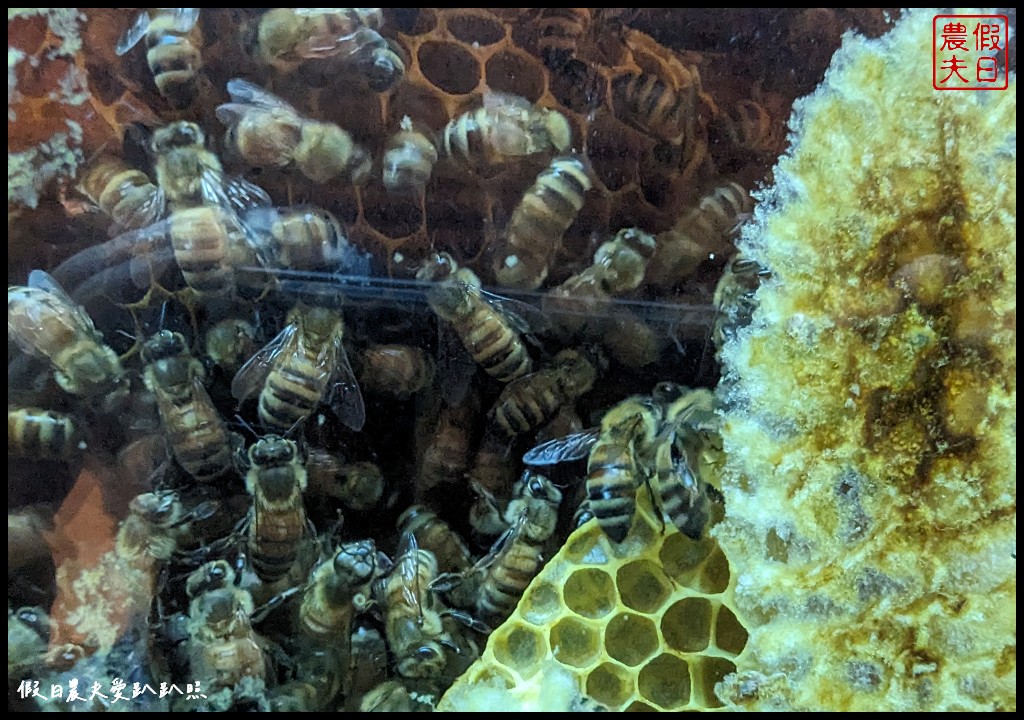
{"x":647,"y":625}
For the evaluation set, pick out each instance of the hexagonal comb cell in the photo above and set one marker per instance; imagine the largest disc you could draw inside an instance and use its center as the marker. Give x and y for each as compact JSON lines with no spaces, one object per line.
{"x":643,"y":585}
{"x":519,"y":647}
{"x":477,"y":29}
{"x":730,"y":635}
{"x":541,"y":604}
{"x":631,"y":638}
{"x":516,"y":73}
{"x":449,"y":67}
{"x":680,"y":556}
{"x":711,"y":671}
{"x":686,"y":625}
{"x":590,"y":592}
{"x":610,"y":684}
{"x":714,"y":576}
{"x":574,"y":642}
{"x":665,"y":681}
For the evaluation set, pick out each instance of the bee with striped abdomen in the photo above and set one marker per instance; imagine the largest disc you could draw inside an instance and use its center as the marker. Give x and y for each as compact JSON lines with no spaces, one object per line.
{"x":305,"y":238}
{"x":195,"y":431}
{"x":304,"y":365}
{"x":484,"y":323}
{"x":531,"y":401}
{"x":539,"y":221}
{"x":506,"y":128}
{"x":265,"y":131}
{"x":289,"y":37}
{"x":172,"y":50}
{"x":43,"y":321}
{"x":560,"y":31}
{"x":734,"y":298}
{"x":616,"y":464}
{"x":127,"y":195}
{"x":276,"y":480}
{"x":409,"y":158}
{"x":412,"y":613}
{"x":434,"y":534}
{"x":43,"y":434}
{"x":703,"y":232}
{"x":336,"y":589}
{"x":653,"y":106}
{"x":223,"y":647}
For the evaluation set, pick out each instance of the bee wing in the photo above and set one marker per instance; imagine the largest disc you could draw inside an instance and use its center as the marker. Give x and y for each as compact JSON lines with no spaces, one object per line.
{"x":248,"y":93}
{"x":234,"y":192}
{"x":42,"y":280}
{"x":149,"y":212}
{"x":522,"y":316}
{"x":345,"y":397}
{"x":133,"y":34}
{"x":564,"y":449}
{"x":251,"y":376}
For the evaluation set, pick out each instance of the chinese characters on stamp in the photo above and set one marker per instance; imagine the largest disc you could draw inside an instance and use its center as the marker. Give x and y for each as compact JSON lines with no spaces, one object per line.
{"x":970,"y":52}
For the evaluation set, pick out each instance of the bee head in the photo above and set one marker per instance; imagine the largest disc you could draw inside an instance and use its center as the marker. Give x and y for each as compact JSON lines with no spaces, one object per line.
{"x":159,"y":508}
{"x":356,"y":561}
{"x":211,"y":576}
{"x":426,"y":661}
{"x":177,"y":135}
{"x":439,"y":266}
{"x":164,"y":344}
{"x":272,"y":450}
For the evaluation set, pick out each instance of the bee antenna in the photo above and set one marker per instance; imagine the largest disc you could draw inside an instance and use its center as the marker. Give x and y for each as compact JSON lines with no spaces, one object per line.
{"x":244,"y":423}
{"x":128,"y":335}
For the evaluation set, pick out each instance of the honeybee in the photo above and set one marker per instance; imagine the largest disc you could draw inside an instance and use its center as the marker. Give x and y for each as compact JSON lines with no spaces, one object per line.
{"x":223,"y":647}
{"x":651,"y":105}
{"x":305,"y":238}
{"x":399,"y":370}
{"x":277,"y":523}
{"x":495,"y":585}
{"x":582,"y":301}
{"x":357,"y":485}
{"x":43,"y":434}
{"x":485,"y":324}
{"x":230,"y":342}
{"x":125,"y":194}
{"x":434,"y":534}
{"x":527,"y":403}
{"x":412,"y":613}
{"x":616,"y":453}
{"x":265,"y":131}
{"x":43,"y":321}
{"x":446,"y":457}
{"x":172,"y":50}
{"x":506,"y":127}
{"x":194,"y":428}
{"x":734,"y":298}
{"x":408,"y":159}
{"x":539,"y":221}
{"x":189,"y":175}
{"x":561,"y":30}
{"x":304,"y":365}
{"x":117,"y":590}
{"x":687,"y":446}
{"x":701,"y":233}
{"x":287,"y":37}
{"x":749,"y":127}
{"x":336,"y":587}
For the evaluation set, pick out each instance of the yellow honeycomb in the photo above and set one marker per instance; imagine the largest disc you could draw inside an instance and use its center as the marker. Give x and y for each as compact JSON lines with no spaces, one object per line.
{"x":646,"y":625}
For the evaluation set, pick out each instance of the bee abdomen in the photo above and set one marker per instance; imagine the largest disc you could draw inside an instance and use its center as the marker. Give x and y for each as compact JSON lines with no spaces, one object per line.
{"x":540,"y":220}
{"x":560,"y":30}
{"x":504,"y":587}
{"x":275,"y":546}
{"x":290,"y":395}
{"x":528,"y":412}
{"x":494,"y":346}
{"x":199,"y":440}
{"x":648,"y":103}
{"x":611,"y":493}
{"x":37,"y":433}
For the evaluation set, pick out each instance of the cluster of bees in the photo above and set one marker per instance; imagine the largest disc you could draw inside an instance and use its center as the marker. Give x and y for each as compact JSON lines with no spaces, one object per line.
{"x":321,"y":568}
